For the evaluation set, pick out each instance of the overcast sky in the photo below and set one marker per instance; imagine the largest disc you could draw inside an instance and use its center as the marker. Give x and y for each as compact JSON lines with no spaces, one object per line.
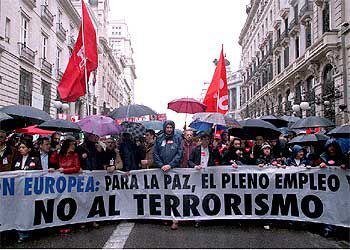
{"x":175,"y":42}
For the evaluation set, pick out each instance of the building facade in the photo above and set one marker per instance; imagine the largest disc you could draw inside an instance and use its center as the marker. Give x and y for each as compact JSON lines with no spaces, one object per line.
{"x":120,"y":40}
{"x":36,"y":39}
{"x":293,"y":52}
{"x":234,"y":84}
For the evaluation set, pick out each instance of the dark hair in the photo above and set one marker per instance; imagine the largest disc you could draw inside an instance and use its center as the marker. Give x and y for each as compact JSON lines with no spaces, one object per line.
{"x":27,"y":143}
{"x":65,"y":145}
{"x":42,"y":139}
{"x":151,"y":131}
{"x":204,"y":135}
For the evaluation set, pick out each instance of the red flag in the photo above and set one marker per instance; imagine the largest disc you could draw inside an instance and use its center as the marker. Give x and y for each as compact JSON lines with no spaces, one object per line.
{"x":216,"y":98}
{"x":84,"y":55}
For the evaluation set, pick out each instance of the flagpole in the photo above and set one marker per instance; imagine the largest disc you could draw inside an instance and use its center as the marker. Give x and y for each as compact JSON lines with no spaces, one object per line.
{"x":85,"y":71}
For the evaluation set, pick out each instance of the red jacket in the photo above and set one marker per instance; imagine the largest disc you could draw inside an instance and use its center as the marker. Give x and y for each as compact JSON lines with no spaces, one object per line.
{"x":70,"y":163}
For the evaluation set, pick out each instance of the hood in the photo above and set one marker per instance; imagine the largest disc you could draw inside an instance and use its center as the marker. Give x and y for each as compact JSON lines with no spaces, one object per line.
{"x":166,"y":123}
{"x":296,"y":149}
{"x":333,"y":142}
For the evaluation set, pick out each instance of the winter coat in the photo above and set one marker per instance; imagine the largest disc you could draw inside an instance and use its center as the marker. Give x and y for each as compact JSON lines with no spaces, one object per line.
{"x":195,"y":157}
{"x":168,"y":149}
{"x":230,"y":155}
{"x":149,"y":155}
{"x":32,"y":163}
{"x":338,"y":159}
{"x":129,"y":155}
{"x":94,"y":159}
{"x":187,"y":150}
{"x":70,"y":162}
{"x":291,"y":160}
{"x":6,"y":160}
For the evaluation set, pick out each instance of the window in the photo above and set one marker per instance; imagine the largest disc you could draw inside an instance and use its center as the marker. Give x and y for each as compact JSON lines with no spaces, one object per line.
{"x":44,"y":41}
{"x":278,"y":34}
{"x":59,"y":17}
{"x":46,"y":92}
{"x":297,"y":97}
{"x":58,"y":58}
{"x":279,"y":64}
{"x":286,"y":23}
{"x":24,"y":30}
{"x":296,"y":7}
{"x":7,"y":29}
{"x":308,"y":34}
{"x":286,"y":57}
{"x":297,"y":53}
{"x":25,"y":87}
{"x":326,"y":17}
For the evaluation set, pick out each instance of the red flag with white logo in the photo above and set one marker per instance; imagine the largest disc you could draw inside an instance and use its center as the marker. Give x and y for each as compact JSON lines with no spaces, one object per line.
{"x":84,"y":56}
{"x":216,"y":98}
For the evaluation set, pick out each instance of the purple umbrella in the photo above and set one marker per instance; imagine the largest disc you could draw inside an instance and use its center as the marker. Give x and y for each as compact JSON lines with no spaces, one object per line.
{"x":99,"y":125}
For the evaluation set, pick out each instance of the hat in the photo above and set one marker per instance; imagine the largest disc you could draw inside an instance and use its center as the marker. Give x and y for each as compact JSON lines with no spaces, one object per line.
{"x":265,"y":145}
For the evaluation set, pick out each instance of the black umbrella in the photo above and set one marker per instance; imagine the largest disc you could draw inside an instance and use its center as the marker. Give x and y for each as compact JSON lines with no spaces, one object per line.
{"x":312,"y":122}
{"x":134,"y":110}
{"x":340,"y":132}
{"x":290,"y":119}
{"x":134,"y":128}
{"x":60,"y":125}
{"x":309,"y":139}
{"x":26,"y":114}
{"x":278,"y":122}
{"x":7,"y":122}
{"x":252,"y":128}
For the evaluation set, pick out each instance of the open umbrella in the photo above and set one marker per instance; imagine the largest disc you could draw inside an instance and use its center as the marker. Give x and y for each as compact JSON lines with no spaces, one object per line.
{"x":278,"y":122}
{"x":99,"y":125}
{"x":134,"y":128}
{"x":252,"y":128}
{"x":340,"y":132}
{"x":187,"y":106}
{"x":60,"y":125}
{"x":134,"y":110}
{"x":34,"y":130}
{"x":290,"y":119}
{"x":26,"y":114}
{"x":7,"y":122}
{"x":155,"y":125}
{"x":312,"y":122}
{"x":216,"y":119}
{"x":309,"y":139}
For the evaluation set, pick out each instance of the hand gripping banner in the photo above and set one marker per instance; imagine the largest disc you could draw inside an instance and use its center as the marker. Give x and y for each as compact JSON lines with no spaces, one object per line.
{"x":37,"y":199}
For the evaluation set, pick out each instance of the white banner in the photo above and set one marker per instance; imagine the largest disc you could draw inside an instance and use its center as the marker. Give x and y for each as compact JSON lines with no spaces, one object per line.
{"x":37,"y":199}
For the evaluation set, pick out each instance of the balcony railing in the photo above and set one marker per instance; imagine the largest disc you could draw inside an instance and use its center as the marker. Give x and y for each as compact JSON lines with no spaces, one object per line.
{"x":306,"y":11}
{"x":61,"y":32}
{"x":46,"y":67}
{"x":46,"y":15}
{"x":26,"y":53}
{"x":31,"y":3}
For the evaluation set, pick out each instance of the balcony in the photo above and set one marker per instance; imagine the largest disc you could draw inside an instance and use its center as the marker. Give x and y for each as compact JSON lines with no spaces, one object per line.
{"x":71,"y":42}
{"x":61,"y":32}
{"x":26,"y":53}
{"x":294,"y":27}
{"x":46,"y":15}
{"x":46,"y":67}
{"x":59,"y":74}
{"x":277,"y":45}
{"x":30,"y":3}
{"x":285,"y":38}
{"x":306,"y":12}
{"x":284,"y":12}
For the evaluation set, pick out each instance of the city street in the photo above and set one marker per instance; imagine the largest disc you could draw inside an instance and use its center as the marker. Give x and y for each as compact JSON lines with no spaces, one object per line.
{"x":214,"y":234}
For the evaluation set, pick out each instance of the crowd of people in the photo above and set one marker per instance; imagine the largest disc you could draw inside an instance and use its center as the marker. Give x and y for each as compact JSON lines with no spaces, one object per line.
{"x":69,"y":154}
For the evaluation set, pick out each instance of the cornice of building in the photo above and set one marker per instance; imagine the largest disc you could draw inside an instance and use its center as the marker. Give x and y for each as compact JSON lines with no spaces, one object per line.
{"x":69,"y":8}
{"x":249,"y":20}
{"x":109,"y":51}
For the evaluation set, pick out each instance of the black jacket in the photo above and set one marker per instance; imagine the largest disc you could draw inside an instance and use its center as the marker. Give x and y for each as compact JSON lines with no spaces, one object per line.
{"x":230,"y":155}
{"x":195,"y":157}
{"x":129,"y":154}
{"x":94,"y":160}
{"x":32,"y":163}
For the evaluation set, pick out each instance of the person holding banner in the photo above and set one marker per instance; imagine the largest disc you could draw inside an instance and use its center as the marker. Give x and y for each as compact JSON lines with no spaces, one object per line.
{"x":7,"y":153}
{"x":234,"y":155}
{"x":266,"y":157}
{"x":297,"y":158}
{"x":67,"y":159}
{"x":150,"y":137}
{"x":168,"y":152}
{"x":333,"y":155}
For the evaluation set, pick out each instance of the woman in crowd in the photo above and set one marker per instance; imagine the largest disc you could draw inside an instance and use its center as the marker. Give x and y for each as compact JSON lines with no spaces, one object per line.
{"x":266,"y":157}
{"x":297,"y":158}
{"x":234,"y":155}
{"x":67,"y":159}
{"x":333,"y":155}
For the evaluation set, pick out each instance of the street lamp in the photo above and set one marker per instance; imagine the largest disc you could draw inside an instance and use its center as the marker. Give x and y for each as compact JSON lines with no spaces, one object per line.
{"x":61,"y":107}
{"x":304,"y":106}
{"x":296,"y":108}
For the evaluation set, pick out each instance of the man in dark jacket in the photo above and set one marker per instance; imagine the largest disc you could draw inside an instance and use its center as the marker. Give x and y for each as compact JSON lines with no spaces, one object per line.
{"x":7,"y":153}
{"x":298,"y":157}
{"x":168,"y":152}
{"x":333,"y":155}
{"x":203,"y":155}
{"x":168,"y":149}
{"x":130,"y":153}
{"x":91,"y":154}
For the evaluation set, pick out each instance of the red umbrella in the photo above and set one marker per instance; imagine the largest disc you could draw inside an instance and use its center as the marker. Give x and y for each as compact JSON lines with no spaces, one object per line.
{"x":187,"y":105}
{"x":33,"y":130}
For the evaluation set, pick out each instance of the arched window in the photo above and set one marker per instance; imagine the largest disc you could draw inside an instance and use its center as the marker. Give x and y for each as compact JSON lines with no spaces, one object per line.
{"x":310,"y":95}
{"x":326,"y":17}
{"x":328,"y":93}
{"x":288,"y":107}
{"x":297,"y":97}
{"x":280,"y":99}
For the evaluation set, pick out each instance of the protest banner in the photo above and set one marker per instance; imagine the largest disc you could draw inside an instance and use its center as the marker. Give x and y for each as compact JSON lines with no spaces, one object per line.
{"x":37,"y":199}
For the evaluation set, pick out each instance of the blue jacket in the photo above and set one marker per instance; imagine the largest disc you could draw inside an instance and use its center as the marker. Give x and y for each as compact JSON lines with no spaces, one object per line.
{"x":168,"y":149}
{"x":291,"y":160}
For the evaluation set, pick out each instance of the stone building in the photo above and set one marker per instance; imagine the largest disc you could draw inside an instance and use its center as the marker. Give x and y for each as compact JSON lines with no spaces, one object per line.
{"x":293,"y":52}
{"x":36,"y":38}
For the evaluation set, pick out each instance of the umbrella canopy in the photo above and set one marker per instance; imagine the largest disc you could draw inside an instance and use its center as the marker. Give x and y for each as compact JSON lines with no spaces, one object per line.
{"x":291,"y":119}
{"x":340,"y":132}
{"x":134,"y":128}
{"x":216,"y":119}
{"x":99,"y":125}
{"x":60,"y":125}
{"x":134,"y":110}
{"x":155,"y":125}
{"x":7,"y":122}
{"x":312,"y":122}
{"x":309,"y":139}
{"x":278,"y":122}
{"x":34,"y":130}
{"x":187,"y":105}
{"x":28,"y":114}
{"x":252,"y":128}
